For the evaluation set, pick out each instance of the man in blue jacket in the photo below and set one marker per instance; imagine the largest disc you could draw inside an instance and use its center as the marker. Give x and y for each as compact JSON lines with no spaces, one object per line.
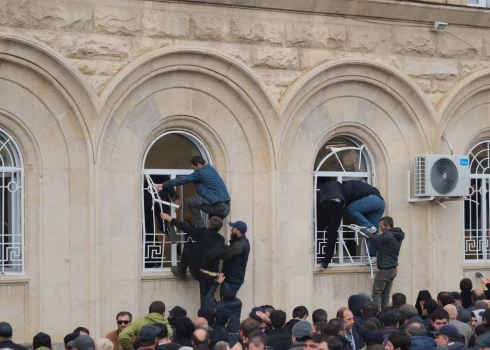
{"x":213,"y":196}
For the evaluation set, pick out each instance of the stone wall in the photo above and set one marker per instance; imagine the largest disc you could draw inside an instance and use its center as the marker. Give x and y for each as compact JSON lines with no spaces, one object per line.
{"x":100,"y":38}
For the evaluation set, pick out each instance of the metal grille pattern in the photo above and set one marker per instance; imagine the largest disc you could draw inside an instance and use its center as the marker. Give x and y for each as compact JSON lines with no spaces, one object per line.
{"x":11,"y":206}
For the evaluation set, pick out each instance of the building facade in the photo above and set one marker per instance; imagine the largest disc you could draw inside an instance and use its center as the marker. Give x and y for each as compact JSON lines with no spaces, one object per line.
{"x":94,"y":95}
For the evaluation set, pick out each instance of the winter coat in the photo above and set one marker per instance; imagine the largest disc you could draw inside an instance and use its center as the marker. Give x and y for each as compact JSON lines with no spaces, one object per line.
{"x":8,"y":344}
{"x":279,"y":339}
{"x":297,"y":346}
{"x":345,"y":343}
{"x":133,"y":329}
{"x":218,"y":334}
{"x":235,"y":306}
{"x":290,"y":324}
{"x":389,"y":244}
{"x":422,"y":343}
{"x":354,"y":190}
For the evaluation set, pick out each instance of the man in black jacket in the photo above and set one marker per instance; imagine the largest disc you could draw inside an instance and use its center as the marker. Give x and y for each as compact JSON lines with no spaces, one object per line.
{"x":6,"y":337}
{"x":330,"y":210}
{"x":390,"y":243}
{"x":366,"y":206}
{"x":279,"y":337}
{"x":219,"y":332}
{"x":235,"y":256}
{"x":202,"y":250}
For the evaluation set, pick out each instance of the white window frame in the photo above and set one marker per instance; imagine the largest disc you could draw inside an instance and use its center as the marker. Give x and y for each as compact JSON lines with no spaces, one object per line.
{"x":369,"y":175}
{"x":479,"y":245}
{"x":16,"y":251}
{"x":173,"y":173}
{"x":477,"y":3}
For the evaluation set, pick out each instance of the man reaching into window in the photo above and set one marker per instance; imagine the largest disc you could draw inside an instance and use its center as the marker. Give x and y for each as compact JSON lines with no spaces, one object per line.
{"x":213,"y":196}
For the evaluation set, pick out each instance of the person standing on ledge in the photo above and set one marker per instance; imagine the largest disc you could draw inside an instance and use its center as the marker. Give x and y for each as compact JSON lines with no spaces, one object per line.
{"x":213,"y":196}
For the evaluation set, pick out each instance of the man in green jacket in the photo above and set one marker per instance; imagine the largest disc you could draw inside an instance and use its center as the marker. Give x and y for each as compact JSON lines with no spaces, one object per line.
{"x":156,"y":314}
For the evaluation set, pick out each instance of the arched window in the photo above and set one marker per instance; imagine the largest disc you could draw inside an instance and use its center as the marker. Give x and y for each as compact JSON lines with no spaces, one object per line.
{"x":476,"y":211}
{"x":341,"y":158}
{"x":167,"y":157}
{"x":11,"y":206}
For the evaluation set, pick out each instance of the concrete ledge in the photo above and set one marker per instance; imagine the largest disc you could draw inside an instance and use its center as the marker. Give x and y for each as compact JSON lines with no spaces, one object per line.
{"x":409,"y":11}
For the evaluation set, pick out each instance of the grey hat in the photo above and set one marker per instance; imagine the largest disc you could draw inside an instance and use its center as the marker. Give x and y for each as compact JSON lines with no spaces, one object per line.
{"x":148,"y":333}
{"x":302,"y":329}
{"x":83,"y":342}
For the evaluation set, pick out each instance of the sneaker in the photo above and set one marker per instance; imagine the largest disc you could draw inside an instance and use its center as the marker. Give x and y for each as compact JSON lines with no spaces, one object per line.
{"x":324,"y":265}
{"x":372,"y":230}
{"x":478,"y":274}
{"x":172,"y":233}
{"x":177,"y":273}
{"x":371,"y":260}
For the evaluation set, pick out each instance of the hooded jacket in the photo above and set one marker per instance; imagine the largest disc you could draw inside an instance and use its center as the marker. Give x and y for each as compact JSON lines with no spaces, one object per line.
{"x":133,"y":329}
{"x":423,"y":295}
{"x":422,"y":343}
{"x":389,"y":244}
{"x":355,"y":303}
{"x":476,"y":313}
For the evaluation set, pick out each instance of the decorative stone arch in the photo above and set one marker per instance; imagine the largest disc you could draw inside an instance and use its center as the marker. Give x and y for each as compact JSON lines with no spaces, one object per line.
{"x":47,"y":108}
{"x":220,"y":101}
{"x":352,"y":97}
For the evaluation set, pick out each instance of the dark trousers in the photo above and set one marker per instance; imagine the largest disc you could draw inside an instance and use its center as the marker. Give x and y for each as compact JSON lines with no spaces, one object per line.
{"x":334,"y":212}
{"x":205,"y":282}
{"x":382,"y":286}
{"x":220,"y":209}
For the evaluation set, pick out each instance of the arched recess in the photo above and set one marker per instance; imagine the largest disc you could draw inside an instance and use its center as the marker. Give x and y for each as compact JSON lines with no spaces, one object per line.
{"x":378,"y":106}
{"x":220,"y":102}
{"x":44,"y":105}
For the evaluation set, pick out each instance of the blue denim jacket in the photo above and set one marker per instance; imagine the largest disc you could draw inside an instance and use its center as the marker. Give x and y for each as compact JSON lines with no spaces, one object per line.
{"x":209,"y":185}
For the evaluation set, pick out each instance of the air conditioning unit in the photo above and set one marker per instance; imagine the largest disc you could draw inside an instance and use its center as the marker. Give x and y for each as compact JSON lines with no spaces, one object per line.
{"x":441,"y":176}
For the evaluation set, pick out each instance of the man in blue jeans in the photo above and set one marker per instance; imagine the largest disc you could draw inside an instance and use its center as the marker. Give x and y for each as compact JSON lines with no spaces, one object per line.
{"x":366,"y":206}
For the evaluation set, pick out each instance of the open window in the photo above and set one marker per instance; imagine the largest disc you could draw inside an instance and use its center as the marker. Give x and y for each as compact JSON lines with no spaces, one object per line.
{"x":341,"y":159}
{"x":167,"y":157}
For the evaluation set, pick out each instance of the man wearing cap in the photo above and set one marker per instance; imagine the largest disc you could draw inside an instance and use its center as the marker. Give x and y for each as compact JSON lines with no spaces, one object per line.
{"x":83,"y":342}
{"x":41,"y":341}
{"x":301,"y":332}
{"x":235,"y":256}
{"x":148,"y":337}
{"x":448,"y":336}
{"x":6,"y":338}
{"x":483,"y":344}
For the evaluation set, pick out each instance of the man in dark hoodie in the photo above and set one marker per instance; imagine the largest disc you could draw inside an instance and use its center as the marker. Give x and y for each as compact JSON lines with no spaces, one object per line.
{"x":279,"y":337}
{"x":389,"y":242}
{"x":300,"y":313}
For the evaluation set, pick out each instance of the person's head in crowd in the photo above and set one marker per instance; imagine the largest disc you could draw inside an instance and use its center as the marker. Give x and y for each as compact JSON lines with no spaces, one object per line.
{"x":421,"y":298}
{"x":369,"y":309}
{"x":256,"y":315}
{"x":480,"y":329}
{"x":123,"y":319}
{"x":215,"y":223}
{"x":466,"y":285}
{"x":366,"y":295}
{"x":439,"y":318}
{"x":41,"y":340}
{"x":197,"y":162}
{"x":200,"y":336}
{"x":157,"y":307}
{"x":481,"y":304}
{"x":301,"y":330}
{"x":300,"y":313}
{"x":348,"y":317}
{"x":162,"y":336}
{"x":388,"y":319}
{"x":374,"y":337}
{"x":476,"y":318}
{"x":446,"y":334}
{"x":398,"y":299}
{"x":221,"y":345}
{"x":247,"y":327}
{"x":68,"y":338}
{"x":399,"y":316}
{"x":257,"y":340}
{"x":183,"y":328}
{"x":445,"y":298}
{"x":369,"y":325}
{"x":319,"y":315}
{"x":320,"y":327}
{"x":222,"y":317}
{"x":201,"y":323}
{"x":316,"y":342}
{"x":429,"y":307}
{"x":335,"y":327}
{"x":409,"y":311}
{"x":486,"y":318}
{"x":5,"y":331}
{"x":278,"y":319}
{"x":483,"y":344}
{"x":416,"y":329}
{"x":476,"y":295}
{"x":82,"y":342}
{"x":176,"y":313}
{"x":81,"y":331}
{"x":148,"y":337}
{"x":104,"y":344}
{"x":268,"y":309}
{"x":451,"y":310}
{"x":334,"y":343}
{"x":355,"y":304}
{"x":457,"y":299}
{"x":226,"y":293}
{"x":398,"y":341}
{"x":209,"y":314}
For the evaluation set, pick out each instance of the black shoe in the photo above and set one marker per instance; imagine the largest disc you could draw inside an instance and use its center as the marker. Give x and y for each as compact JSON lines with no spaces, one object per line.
{"x":479,"y":275}
{"x":177,"y":273}
{"x":172,"y":233}
{"x":324,"y":265}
